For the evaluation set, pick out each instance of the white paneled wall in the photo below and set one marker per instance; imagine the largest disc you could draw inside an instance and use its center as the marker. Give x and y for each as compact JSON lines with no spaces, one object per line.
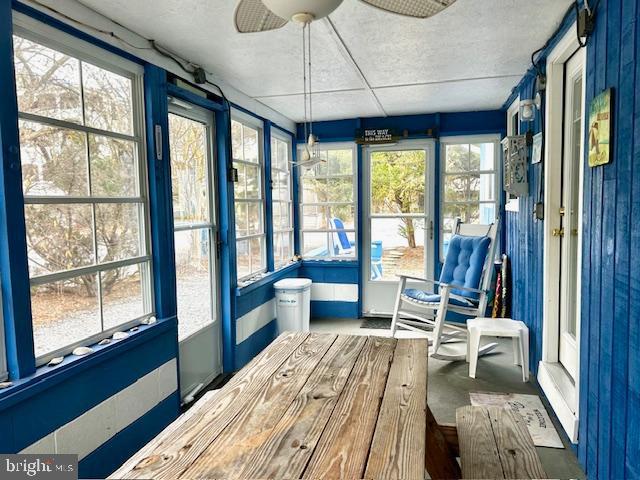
{"x":336,"y":292}
{"x":254,"y":320}
{"x":95,"y":427}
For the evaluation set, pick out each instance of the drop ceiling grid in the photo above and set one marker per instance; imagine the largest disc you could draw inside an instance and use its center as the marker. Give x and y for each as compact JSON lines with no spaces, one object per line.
{"x":403,"y":59}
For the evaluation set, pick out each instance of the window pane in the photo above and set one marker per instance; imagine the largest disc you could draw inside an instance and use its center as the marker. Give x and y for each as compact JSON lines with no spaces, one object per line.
{"x":253,"y":182}
{"x":114,"y":171}
{"x":47,"y":81}
{"x":255,"y":218}
{"x":280,"y":186}
{"x":189,"y":173}
{"x":122,"y":299}
{"x":277,"y":249}
{"x":398,"y":181}
{"x":342,"y":243}
{"x":314,"y":218}
{"x":242,"y":220}
{"x":54,"y":160}
{"x":107,"y":100}
{"x":486,"y":154}
{"x":339,"y":190}
{"x":118,"y":231}
{"x":487,"y":187}
{"x":59,"y":237}
{"x":256,"y":255}
{"x":314,"y":190}
{"x":243,"y":258}
{"x":285,"y":217}
{"x":397,"y":247}
{"x":283,"y":155}
{"x":314,"y":245}
{"x":340,"y":162}
{"x":250,"y":144}
{"x":462,"y":188}
{"x":193,"y":281}
{"x":457,"y":158}
{"x":236,"y":140}
{"x":240,"y":187}
{"x":342,"y":215}
{"x":487,"y":213}
{"x":64,"y":313}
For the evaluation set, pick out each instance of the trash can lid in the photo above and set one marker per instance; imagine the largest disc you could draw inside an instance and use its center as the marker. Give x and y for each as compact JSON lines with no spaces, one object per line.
{"x":292,"y":284}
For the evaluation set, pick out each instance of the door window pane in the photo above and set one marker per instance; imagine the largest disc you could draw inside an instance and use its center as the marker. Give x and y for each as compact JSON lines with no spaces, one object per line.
{"x":193,"y":281}
{"x":397,"y":247}
{"x":398,"y":181}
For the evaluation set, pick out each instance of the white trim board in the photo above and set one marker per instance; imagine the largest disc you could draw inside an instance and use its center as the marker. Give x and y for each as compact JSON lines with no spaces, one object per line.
{"x":252,"y":321}
{"x":89,"y":431}
{"x":553,"y":379}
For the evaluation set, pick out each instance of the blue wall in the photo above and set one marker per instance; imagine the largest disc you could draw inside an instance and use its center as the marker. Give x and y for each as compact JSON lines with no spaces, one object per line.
{"x":609,"y":427}
{"x":432,"y":125}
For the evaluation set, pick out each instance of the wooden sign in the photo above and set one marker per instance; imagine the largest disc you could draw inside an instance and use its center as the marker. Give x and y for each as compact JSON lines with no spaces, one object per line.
{"x":600,"y":129}
{"x":376,"y":136}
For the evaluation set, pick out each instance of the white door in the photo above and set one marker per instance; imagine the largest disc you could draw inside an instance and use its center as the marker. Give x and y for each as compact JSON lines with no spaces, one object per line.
{"x":191,"y":140}
{"x":398,"y":227}
{"x":570,"y":212}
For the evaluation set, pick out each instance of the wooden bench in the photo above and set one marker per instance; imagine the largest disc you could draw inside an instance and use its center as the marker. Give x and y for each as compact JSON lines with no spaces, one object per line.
{"x":492,"y":442}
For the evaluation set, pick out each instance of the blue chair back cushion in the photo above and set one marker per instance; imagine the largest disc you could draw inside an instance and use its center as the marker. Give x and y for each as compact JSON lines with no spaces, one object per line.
{"x":464,"y":263}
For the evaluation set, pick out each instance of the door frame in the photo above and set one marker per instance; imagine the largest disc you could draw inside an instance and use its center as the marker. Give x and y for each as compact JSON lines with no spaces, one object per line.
{"x":561,"y":390}
{"x":207,"y":117}
{"x":429,"y":145}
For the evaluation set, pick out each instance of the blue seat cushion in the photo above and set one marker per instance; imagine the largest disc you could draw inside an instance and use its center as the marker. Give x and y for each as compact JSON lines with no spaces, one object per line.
{"x":464,"y":263}
{"x":425,"y":297}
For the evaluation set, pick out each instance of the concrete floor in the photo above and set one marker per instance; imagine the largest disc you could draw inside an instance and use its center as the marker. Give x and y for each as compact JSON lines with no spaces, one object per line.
{"x":449,"y":387}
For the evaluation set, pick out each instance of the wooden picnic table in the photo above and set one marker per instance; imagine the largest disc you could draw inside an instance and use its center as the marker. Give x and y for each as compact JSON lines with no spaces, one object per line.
{"x":309,"y":406}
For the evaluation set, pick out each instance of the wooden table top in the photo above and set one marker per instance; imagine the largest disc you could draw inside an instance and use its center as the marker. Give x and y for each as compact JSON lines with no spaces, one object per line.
{"x":309,"y":406}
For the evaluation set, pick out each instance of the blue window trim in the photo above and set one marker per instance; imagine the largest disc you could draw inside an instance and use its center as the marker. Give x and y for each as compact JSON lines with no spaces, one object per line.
{"x":271,"y":277}
{"x":268,"y":194}
{"x":16,"y":299}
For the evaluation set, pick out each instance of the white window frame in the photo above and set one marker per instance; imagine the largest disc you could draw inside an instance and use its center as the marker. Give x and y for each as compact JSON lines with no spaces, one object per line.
{"x":254,"y":123}
{"x":48,"y":36}
{"x":464,"y":140}
{"x":277,"y":135}
{"x":354,"y":177}
{"x":513,"y":204}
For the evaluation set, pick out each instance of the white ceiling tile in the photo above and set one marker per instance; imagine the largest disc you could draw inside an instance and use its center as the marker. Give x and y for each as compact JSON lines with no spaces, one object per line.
{"x":473,"y":95}
{"x":326,"y":106}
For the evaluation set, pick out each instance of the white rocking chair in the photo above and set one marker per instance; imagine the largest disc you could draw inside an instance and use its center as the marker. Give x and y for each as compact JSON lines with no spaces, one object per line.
{"x":463,"y":288}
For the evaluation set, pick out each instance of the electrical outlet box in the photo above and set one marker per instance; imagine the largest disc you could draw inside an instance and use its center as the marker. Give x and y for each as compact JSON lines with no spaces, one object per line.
{"x":586,"y":23}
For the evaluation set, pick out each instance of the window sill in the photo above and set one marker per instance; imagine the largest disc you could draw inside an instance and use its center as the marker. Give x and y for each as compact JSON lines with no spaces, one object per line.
{"x":348,"y":263}
{"x":45,"y":377}
{"x":268,"y":278}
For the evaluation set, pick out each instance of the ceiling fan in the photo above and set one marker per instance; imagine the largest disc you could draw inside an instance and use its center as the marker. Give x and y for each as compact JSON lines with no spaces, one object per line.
{"x":263,"y":15}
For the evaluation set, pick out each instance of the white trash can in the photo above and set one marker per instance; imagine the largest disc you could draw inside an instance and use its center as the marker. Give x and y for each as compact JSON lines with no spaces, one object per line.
{"x":293,"y":299}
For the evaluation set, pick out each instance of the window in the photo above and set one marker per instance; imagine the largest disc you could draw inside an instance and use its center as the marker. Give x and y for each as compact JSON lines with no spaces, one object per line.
{"x":246,"y":140}
{"x":328,"y":204}
{"x":191,"y":182}
{"x":282,"y":201}
{"x":85,"y":195}
{"x":469,"y":187}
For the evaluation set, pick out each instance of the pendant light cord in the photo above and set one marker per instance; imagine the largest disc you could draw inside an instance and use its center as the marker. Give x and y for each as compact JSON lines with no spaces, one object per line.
{"x":310,"y":101}
{"x":304,"y":76}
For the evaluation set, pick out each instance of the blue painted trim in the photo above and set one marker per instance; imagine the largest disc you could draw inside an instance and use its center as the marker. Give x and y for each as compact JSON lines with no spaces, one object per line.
{"x":269,"y":279}
{"x":227,"y":244}
{"x":160,"y":197}
{"x":68,"y":29}
{"x":330,"y":263}
{"x":103,"y":461}
{"x":46,"y":377}
{"x":334,"y":309}
{"x":263,"y":119}
{"x":14,"y":272}
{"x":360,"y":221}
{"x":188,"y":96}
{"x":268,"y":194}
{"x":255,"y":344}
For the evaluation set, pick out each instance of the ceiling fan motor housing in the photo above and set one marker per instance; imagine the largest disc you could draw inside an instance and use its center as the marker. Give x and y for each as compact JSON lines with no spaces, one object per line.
{"x":291,"y":9}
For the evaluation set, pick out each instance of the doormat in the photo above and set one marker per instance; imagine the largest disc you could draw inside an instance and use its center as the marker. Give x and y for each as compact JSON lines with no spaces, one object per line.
{"x":376,"y":323}
{"x":530,"y":408}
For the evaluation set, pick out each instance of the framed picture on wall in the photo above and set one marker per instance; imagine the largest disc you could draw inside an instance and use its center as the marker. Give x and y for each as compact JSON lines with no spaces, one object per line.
{"x":600,"y":129}
{"x":536,"y":151}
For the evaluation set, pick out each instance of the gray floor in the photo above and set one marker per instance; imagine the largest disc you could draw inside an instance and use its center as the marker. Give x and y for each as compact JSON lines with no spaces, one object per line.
{"x":449,"y":387}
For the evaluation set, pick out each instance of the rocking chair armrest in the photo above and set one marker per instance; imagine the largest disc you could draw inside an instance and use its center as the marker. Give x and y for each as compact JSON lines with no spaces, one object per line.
{"x":418,"y":279}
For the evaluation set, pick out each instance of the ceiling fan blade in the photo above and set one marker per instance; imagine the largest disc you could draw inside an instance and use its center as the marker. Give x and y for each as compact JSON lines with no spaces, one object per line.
{"x":411,"y":8}
{"x":253,"y":16}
